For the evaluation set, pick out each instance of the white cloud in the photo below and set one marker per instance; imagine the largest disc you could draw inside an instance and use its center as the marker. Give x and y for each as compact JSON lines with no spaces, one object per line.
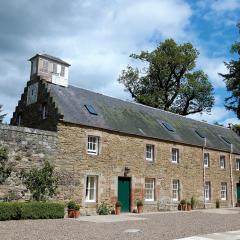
{"x":213,"y":66}
{"x":225,"y":5}
{"x":218,"y":114}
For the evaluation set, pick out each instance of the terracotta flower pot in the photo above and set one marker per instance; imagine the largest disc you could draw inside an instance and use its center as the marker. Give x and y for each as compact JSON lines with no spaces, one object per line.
{"x":76,"y":213}
{"x":184,"y":207}
{"x":189,"y":207}
{"x":140,"y":209}
{"x":71,"y":213}
{"x":117,"y":210}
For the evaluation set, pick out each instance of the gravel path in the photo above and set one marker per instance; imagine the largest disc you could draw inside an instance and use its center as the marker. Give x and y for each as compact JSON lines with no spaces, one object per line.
{"x":155,"y":226}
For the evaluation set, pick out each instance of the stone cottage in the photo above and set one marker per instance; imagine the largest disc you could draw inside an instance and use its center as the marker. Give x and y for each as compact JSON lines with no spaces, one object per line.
{"x":109,"y":149}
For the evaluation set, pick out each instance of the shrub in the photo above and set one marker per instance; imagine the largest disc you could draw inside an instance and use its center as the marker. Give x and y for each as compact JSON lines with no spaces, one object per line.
{"x":118,"y":204}
{"x":103,"y":209}
{"x":183,"y":202}
{"x":193,"y":202}
{"x":139,"y":203}
{"x":71,"y":205}
{"x":41,"y":182}
{"x":30,"y":210}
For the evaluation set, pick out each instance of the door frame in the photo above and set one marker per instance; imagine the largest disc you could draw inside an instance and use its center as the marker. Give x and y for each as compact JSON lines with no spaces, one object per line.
{"x":130,"y":190}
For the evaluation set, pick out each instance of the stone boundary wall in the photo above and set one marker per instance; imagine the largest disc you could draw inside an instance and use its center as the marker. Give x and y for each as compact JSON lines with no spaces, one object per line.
{"x":26,"y":148}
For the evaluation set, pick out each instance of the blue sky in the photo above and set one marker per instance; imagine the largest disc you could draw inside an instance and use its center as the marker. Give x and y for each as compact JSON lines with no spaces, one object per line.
{"x":97,"y":36}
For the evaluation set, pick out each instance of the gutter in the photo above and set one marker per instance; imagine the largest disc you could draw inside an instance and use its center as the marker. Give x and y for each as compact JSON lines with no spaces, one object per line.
{"x":231,"y":174}
{"x":204,"y":177}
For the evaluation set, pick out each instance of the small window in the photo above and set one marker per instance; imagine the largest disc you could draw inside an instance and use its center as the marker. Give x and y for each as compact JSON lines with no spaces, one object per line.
{"x":149,"y":189}
{"x":149,"y":152}
{"x":237,"y":164}
{"x":54,"y":68}
{"x":223,"y":191}
{"x":19,"y":119}
{"x":222,"y":162}
{"x":206,"y":159}
{"x":93,"y":145}
{"x":207,"y":191}
{"x":45,"y":66}
{"x":200,"y":133}
{"x":91,"y":109}
{"x":168,"y":126}
{"x":91,"y":188}
{"x":175,"y":155}
{"x":175,"y":190}
{"x":44,"y":111}
{"x":62,"y":73}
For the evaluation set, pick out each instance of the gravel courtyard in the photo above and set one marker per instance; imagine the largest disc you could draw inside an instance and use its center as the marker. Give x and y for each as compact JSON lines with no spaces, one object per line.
{"x":153,"y":226}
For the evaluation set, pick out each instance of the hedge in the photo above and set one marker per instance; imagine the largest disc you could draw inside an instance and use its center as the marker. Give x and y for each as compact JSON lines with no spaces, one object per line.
{"x":30,"y":210}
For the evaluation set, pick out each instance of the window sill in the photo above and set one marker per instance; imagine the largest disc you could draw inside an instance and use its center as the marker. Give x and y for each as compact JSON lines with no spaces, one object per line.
{"x":150,"y":202}
{"x":92,"y":154}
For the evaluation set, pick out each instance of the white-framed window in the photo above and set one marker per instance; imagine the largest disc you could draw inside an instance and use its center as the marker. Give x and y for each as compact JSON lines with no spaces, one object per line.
{"x":222,"y":162}
{"x":175,"y":155}
{"x":91,"y":188}
{"x":149,"y":152}
{"x":237,"y":164}
{"x":207,"y":191}
{"x":93,"y":145}
{"x":175,"y":190}
{"x":223,"y":191}
{"x":62,"y":73}
{"x":206,"y":159}
{"x":45,"y":66}
{"x":149,"y":189}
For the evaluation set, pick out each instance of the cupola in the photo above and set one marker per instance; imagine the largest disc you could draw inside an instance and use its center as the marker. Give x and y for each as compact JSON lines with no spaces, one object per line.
{"x":49,"y":68}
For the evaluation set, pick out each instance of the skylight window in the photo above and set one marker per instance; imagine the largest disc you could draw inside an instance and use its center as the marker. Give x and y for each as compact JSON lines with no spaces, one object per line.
{"x":200,"y":134}
{"x":91,"y":109}
{"x":169,"y":127}
{"x":226,"y":140}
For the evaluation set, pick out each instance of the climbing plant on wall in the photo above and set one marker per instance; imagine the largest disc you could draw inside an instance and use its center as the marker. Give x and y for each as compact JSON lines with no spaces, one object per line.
{"x":5,"y":167}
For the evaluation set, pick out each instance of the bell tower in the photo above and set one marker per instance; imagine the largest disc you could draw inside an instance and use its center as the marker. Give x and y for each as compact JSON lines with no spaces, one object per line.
{"x":49,"y":68}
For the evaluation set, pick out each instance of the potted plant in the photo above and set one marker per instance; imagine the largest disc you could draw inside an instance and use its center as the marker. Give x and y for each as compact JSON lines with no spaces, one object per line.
{"x":77,"y":210}
{"x":139,"y":206}
{"x":189,"y":206}
{"x":71,"y":209}
{"x":118,"y":206}
{"x":217,"y":203}
{"x":183,"y":204}
{"x":238,"y":203}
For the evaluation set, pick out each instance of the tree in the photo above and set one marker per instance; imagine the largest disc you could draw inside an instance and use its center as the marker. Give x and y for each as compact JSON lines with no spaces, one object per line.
{"x":1,"y":116}
{"x":168,"y":81}
{"x":232,"y":80}
{"x":41,"y":182}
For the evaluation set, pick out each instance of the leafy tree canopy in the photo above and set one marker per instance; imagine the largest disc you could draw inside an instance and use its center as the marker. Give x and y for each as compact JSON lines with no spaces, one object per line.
{"x":41,"y":182}
{"x":232,"y":79}
{"x":168,"y":81}
{"x":1,"y":115}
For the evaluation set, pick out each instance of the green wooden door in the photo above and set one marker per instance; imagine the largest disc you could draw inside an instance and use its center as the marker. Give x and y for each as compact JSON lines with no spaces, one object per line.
{"x":124,"y":190}
{"x":238,"y":191}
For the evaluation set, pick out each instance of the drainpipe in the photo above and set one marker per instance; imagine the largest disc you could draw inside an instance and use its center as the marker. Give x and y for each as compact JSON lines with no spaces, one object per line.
{"x":204,"y":146}
{"x":231,"y":173}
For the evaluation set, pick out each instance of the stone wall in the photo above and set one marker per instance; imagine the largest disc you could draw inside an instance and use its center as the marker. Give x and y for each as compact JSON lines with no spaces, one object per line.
{"x":26,"y":148}
{"x":118,"y":151}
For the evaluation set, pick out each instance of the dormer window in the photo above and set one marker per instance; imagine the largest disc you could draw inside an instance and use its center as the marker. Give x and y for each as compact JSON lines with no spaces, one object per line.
{"x":54,"y":68}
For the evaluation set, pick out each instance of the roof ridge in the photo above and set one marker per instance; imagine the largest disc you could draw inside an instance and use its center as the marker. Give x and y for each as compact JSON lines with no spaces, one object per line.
{"x":158,"y":109}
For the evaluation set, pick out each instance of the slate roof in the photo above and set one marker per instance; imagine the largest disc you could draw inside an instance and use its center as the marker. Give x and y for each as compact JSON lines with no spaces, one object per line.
{"x":132,"y":118}
{"x":50,"y":57}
